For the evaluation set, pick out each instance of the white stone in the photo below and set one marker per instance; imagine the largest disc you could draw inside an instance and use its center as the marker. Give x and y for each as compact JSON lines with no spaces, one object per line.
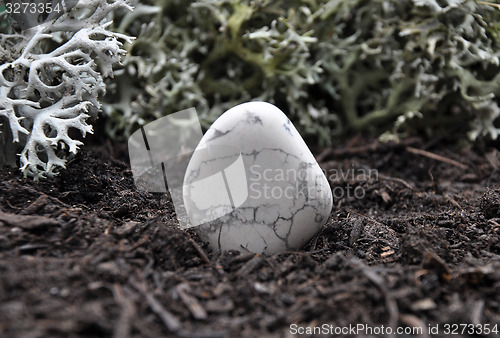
{"x":253,"y":184}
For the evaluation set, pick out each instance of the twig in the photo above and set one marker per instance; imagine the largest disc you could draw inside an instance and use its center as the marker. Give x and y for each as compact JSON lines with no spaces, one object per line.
{"x":492,"y":221}
{"x":493,"y":159}
{"x":436,"y":157}
{"x":477,"y":310}
{"x":452,"y":201}
{"x":391,"y":304}
{"x":122,"y":328}
{"x":398,"y":180}
{"x":242,"y":258}
{"x":202,"y":253}
{"x":28,"y":222}
{"x":371,"y":219}
{"x":347,"y":151}
{"x":413,"y":321}
{"x":170,"y":321}
{"x":191,"y":302}
{"x":368,"y":148}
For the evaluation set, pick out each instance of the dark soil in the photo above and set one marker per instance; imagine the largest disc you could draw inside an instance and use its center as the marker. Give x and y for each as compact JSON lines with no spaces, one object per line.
{"x":87,"y":255}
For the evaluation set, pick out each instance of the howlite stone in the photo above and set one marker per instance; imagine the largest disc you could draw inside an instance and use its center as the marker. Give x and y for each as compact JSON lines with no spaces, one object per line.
{"x":253,"y":184}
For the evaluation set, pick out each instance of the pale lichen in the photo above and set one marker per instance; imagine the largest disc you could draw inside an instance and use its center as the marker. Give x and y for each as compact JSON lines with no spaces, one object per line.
{"x":213,"y":55}
{"x":51,"y":76}
{"x":333,"y":66}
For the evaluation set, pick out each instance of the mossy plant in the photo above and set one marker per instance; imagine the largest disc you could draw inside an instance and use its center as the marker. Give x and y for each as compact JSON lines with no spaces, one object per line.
{"x":333,"y":66}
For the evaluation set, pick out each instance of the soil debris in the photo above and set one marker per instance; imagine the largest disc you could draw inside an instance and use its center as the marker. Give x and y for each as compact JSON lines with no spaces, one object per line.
{"x":86,"y":254}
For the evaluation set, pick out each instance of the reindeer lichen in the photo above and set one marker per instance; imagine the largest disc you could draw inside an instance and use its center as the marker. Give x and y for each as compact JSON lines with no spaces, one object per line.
{"x":333,"y":66}
{"x":51,"y":76}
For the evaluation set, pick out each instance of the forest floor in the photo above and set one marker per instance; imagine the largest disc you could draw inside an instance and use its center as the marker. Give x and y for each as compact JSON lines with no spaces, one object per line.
{"x":85,"y":254}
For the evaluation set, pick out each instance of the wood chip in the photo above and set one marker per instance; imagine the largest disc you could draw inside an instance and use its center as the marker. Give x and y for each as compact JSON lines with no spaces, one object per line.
{"x":255,"y":263}
{"x":387,"y":253}
{"x":385,"y":196}
{"x":191,"y":302}
{"x":169,"y":320}
{"x":128,"y":312}
{"x":423,"y":304}
{"x":126,"y":229}
{"x":28,"y":222}
{"x":414,"y":321}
